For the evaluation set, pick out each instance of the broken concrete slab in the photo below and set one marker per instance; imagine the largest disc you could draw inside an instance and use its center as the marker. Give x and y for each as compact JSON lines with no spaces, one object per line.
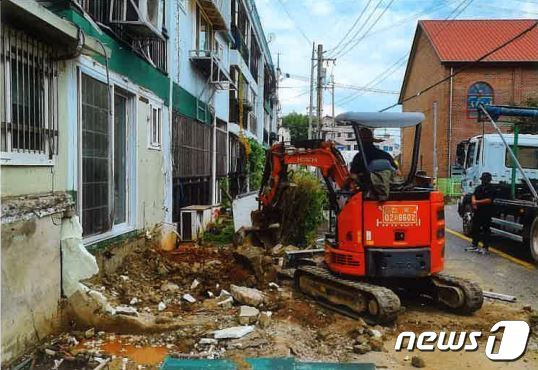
{"x":189,"y":298}
{"x":233,"y":333}
{"x":248,"y":315}
{"x":194,"y":284}
{"x":226,"y":303}
{"x":126,"y":310}
{"x":248,"y":296}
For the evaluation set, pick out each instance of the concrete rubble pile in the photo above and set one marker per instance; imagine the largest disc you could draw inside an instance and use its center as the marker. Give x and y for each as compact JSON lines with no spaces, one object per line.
{"x":200,"y":302}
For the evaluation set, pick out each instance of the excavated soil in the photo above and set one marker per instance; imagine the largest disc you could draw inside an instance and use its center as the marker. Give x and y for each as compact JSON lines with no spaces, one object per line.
{"x":298,"y":326}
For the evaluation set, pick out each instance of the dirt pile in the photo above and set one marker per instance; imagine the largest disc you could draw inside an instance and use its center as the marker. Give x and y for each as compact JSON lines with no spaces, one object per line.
{"x":150,"y":278}
{"x":217,"y":307}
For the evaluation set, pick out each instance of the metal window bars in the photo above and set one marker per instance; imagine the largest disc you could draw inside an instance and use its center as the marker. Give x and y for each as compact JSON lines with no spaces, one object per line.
{"x":151,"y":47}
{"x":30,"y":100}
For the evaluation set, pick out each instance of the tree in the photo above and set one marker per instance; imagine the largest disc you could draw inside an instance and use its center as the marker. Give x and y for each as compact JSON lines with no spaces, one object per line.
{"x":529,"y":125}
{"x":297,"y":124}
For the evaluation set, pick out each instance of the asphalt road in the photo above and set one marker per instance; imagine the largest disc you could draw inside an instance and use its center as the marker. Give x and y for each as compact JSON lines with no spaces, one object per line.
{"x":510,"y":270}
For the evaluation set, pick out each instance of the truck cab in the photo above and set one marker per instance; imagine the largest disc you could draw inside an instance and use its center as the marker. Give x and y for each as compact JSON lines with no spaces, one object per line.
{"x":516,"y":213}
{"x":487,"y":153}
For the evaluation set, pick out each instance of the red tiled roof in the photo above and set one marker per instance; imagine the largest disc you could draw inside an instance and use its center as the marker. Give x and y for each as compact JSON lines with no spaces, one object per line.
{"x":469,"y":40}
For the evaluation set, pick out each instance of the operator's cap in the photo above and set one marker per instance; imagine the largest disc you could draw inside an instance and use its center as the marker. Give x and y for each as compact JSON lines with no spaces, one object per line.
{"x":367,"y":136}
{"x":486,"y":176}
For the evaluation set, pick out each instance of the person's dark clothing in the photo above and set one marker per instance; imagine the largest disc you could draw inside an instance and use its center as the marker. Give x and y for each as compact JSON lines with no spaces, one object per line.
{"x":480,"y":228}
{"x":371,"y":153}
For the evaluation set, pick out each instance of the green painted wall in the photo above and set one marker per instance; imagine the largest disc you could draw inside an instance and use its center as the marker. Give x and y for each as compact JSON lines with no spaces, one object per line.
{"x":123,"y":60}
{"x":127,"y":63}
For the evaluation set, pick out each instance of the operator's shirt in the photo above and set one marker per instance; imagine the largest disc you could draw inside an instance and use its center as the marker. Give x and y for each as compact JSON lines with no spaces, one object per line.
{"x":484,"y":192}
{"x":371,"y":152}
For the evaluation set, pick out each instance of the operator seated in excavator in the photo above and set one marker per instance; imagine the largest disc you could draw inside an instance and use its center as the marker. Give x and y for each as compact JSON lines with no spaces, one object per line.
{"x":381,"y":167}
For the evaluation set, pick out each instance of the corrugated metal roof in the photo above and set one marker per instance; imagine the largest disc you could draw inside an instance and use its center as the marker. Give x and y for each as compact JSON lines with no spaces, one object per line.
{"x":469,"y":40}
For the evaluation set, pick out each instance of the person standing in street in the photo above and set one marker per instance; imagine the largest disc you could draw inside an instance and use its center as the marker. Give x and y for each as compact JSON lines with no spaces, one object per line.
{"x":481,"y":202}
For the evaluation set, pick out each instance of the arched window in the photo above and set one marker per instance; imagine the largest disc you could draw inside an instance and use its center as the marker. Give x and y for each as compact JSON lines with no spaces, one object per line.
{"x":479,"y":93}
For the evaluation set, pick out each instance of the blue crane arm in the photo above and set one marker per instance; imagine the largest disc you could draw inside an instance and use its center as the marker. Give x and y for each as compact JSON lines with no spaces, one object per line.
{"x":495,"y":111}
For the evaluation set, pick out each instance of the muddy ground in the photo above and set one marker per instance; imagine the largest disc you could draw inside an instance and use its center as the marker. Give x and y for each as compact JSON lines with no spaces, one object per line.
{"x":155,"y":283}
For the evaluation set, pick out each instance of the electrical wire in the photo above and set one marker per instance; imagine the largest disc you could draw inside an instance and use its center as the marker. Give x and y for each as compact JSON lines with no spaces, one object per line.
{"x":351,"y":28}
{"x":358,"y":31}
{"x":344,"y":52}
{"x":293,"y":21}
{"x":456,"y":12}
{"x":465,"y":67}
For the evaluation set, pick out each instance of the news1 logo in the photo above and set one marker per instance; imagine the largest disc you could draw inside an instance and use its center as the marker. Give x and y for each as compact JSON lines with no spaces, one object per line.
{"x":512,"y":343}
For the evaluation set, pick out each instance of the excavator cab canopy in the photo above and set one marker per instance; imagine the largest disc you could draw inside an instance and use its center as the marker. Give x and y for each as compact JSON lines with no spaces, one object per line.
{"x":381,"y":119}
{"x":375,"y":120}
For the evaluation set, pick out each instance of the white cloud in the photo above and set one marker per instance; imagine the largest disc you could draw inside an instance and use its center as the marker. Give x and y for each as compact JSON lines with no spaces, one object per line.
{"x":327,"y":21}
{"x":320,"y":7}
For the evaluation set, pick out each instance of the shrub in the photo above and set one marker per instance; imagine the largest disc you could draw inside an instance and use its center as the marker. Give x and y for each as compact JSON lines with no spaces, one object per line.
{"x":256,"y":162}
{"x":302,"y":208}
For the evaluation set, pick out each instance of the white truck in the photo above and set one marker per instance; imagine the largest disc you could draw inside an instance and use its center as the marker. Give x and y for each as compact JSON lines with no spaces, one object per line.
{"x":515,"y":203}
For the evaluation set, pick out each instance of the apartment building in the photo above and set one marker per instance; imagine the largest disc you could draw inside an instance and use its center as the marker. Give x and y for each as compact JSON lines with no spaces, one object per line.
{"x":116,"y":112}
{"x":344,"y":137}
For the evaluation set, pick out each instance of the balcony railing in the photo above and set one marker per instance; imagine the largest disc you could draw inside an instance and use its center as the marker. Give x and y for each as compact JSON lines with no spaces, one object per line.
{"x":151,"y":47}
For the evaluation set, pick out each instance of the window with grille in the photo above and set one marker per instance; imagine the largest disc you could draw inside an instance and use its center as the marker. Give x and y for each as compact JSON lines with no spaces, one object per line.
{"x":29,"y":129}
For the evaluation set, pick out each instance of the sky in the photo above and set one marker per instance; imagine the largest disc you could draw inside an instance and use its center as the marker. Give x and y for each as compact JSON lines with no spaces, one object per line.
{"x":292,"y":26}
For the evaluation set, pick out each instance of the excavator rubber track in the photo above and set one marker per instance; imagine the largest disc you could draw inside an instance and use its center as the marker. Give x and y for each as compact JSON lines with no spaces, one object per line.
{"x":459,"y":295}
{"x":375,"y":303}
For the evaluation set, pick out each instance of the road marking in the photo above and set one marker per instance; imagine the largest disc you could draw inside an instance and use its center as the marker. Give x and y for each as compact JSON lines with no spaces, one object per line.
{"x":525,"y":264}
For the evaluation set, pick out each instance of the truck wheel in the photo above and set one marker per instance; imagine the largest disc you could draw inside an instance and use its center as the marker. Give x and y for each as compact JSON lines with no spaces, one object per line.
{"x":533,"y":240}
{"x":467,"y":219}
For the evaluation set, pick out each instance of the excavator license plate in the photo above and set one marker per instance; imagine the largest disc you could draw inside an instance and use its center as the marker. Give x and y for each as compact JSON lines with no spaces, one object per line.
{"x":400,"y":215}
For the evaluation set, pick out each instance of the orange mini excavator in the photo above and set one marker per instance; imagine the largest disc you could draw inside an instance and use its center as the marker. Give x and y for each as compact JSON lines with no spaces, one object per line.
{"x":376,"y":249}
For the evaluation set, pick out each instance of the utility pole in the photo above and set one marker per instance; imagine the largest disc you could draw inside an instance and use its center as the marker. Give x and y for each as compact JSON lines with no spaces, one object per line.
{"x":332,"y":93}
{"x":311,"y":106}
{"x":320,"y":89}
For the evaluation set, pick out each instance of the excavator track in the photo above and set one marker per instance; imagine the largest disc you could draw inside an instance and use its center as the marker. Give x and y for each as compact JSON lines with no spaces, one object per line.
{"x":459,"y":295}
{"x":375,"y":303}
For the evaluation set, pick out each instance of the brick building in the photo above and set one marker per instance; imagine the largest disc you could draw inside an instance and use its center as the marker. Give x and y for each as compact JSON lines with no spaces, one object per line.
{"x":508,"y":76}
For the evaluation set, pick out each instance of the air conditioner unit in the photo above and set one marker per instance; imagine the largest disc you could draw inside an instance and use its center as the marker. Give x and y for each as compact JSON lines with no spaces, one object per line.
{"x":194,"y":219}
{"x":143,"y":17}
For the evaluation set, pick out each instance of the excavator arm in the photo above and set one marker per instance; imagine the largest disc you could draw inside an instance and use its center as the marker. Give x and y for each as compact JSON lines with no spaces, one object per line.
{"x":315,"y":153}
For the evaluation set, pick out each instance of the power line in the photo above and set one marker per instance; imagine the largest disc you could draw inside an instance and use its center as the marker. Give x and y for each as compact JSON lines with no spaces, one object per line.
{"x":352,"y":26}
{"x":398,"y":63}
{"x":456,"y":12}
{"x":341,"y":85}
{"x":377,"y":80}
{"x":367,"y":89}
{"x":293,"y":21}
{"x":358,"y":31}
{"x":465,"y":67}
{"x":344,"y":52}
{"x":431,"y":9}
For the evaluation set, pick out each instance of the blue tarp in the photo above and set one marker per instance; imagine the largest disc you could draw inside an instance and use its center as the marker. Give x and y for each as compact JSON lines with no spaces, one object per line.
{"x":277,"y":363}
